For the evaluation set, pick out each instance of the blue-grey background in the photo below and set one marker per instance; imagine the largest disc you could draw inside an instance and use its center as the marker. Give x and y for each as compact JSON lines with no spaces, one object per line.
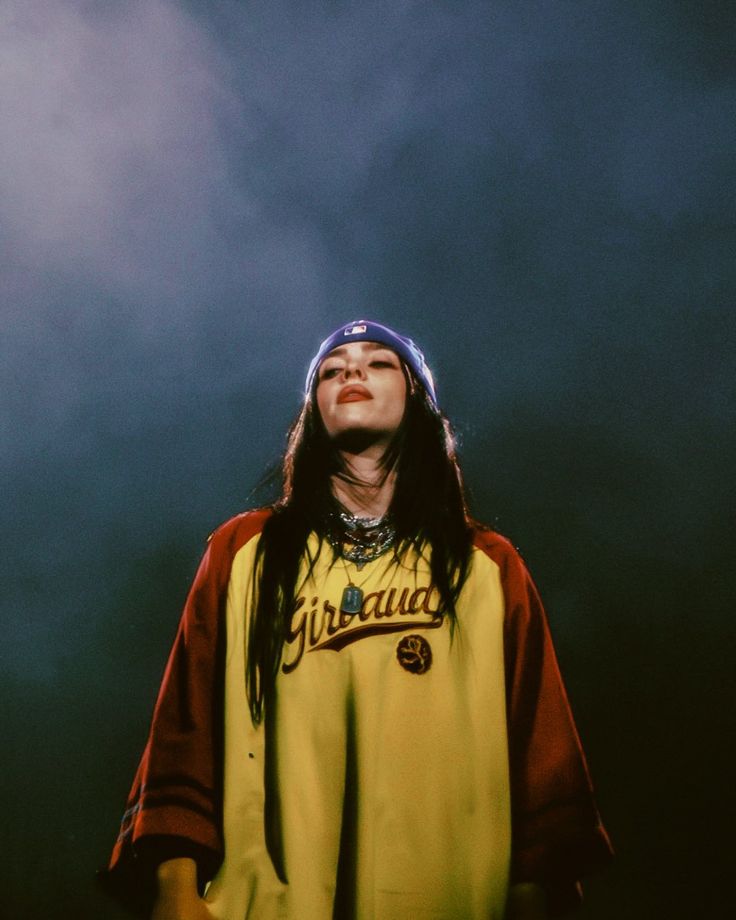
{"x":541,"y":193}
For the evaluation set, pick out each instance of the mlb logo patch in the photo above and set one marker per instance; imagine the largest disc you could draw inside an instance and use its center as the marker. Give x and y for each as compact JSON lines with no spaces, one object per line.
{"x":355,"y":330}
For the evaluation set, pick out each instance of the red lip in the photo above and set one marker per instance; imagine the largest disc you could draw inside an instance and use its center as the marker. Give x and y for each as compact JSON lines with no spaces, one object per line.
{"x":354,"y":393}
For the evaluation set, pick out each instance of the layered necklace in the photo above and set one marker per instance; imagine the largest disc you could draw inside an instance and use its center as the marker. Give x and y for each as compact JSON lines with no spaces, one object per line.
{"x":359,"y":540}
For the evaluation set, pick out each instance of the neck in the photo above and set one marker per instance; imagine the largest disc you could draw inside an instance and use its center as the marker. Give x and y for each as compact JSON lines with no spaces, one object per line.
{"x":365,"y":488}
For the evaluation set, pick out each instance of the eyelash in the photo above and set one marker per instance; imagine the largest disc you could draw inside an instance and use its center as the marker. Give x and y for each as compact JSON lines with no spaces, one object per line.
{"x":334,"y":371}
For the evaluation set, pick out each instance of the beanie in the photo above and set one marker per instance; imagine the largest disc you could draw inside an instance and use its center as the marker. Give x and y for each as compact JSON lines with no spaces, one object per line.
{"x":366,"y":331}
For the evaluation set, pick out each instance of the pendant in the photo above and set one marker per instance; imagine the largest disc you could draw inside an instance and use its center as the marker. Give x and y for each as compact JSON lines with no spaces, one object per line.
{"x":352,"y":600}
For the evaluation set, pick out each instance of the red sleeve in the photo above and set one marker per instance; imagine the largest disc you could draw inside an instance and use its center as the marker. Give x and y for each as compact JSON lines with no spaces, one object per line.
{"x":557,"y":834}
{"x":175,"y":805}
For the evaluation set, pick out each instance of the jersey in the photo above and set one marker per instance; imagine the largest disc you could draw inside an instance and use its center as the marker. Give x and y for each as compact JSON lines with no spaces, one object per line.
{"x":403,"y":769}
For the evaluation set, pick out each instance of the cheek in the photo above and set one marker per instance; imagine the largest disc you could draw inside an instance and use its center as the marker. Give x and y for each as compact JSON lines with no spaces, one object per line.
{"x":327,"y":408}
{"x":401,"y":392}
{"x":395,"y":399}
{"x":322,"y":402}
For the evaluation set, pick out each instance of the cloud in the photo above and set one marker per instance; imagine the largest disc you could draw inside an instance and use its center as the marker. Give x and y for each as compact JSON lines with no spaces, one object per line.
{"x":193,"y":194}
{"x":111,"y":165}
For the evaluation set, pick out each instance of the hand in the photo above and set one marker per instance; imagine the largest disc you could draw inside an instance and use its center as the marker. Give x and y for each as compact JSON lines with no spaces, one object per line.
{"x":185,"y":906}
{"x":526,"y":901}
{"x":177,"y":897}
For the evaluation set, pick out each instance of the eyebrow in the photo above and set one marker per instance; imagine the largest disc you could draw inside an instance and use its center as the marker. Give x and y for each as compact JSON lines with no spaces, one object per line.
{"x":371,"y":346}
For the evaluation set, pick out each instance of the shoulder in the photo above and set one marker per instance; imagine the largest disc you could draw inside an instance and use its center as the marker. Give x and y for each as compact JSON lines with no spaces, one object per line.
{"x":224,"y":543}
{"x":497,"y":547}
{"x":234,"y":533}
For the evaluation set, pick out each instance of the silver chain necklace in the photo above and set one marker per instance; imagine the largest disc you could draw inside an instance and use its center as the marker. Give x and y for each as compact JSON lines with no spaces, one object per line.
{"x":366,"y":539}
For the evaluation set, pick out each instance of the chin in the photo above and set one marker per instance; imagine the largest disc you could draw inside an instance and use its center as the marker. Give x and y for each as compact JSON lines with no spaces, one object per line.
{"x":356,"y":440}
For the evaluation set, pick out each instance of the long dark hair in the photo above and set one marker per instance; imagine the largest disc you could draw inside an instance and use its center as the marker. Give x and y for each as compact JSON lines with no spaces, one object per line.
{"x":428,"y":508}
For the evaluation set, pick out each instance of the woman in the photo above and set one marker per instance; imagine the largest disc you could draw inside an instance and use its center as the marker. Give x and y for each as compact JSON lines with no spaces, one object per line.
{"x":362,"y":715}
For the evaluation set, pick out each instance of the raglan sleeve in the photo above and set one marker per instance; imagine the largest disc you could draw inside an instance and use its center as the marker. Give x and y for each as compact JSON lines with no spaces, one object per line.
{"x":557,"y":834}
{"x":175,"y":804}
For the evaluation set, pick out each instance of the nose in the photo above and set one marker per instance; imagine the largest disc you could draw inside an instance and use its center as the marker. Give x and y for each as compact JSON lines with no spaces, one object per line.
{"x":353,"y":369}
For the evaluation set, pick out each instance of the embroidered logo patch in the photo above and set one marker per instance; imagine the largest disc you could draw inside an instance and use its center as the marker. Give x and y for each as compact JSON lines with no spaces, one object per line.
{"x":414,"y":654}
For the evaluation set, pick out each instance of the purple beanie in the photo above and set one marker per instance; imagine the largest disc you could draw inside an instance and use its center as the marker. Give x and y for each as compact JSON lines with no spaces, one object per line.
{"x":366,"y":331}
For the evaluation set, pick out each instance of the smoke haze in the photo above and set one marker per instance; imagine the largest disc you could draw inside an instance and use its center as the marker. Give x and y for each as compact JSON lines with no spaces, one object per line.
{"x":541,"y":194}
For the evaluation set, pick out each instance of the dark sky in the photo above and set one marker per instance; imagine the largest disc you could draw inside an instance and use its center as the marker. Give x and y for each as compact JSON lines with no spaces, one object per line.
{"x":541,"y":193}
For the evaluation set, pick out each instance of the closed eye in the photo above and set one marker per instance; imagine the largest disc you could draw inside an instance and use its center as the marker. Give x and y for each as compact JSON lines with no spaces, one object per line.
{"x":329,"y":373}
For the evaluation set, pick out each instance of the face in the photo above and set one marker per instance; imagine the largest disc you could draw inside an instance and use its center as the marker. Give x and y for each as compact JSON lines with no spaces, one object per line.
{"x":361,"y":390}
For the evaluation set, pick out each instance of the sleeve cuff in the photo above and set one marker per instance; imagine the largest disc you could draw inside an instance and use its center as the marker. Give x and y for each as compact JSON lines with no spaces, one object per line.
{"x":132,"y":881}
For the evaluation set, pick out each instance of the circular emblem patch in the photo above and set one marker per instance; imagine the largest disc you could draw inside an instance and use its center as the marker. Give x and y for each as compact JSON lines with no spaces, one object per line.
{"x":414,"y":654}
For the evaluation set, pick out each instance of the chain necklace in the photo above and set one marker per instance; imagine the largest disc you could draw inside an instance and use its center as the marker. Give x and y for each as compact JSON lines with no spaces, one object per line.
{"x":367,"y":539}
